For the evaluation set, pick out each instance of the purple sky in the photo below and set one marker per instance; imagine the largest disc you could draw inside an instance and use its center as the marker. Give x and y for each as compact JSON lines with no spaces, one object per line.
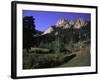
{"x":44,"y":19}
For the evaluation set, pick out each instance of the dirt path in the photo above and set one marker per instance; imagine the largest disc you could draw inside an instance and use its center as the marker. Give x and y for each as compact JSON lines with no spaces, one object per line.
{"x":82,"y":59}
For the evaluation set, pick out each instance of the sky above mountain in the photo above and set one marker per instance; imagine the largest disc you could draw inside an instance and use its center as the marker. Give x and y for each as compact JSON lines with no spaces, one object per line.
{"x":44,"y":19}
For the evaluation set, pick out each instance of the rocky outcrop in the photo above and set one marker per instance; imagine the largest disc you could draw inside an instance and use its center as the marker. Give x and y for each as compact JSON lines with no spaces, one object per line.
{"x":62,"y":23}
{"x":78,"y":23}
{"x":48,"y":30}
{"x":65,"y":24}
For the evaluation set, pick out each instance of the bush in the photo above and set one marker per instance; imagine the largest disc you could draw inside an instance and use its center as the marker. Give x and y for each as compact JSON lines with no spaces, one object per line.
{"x":29,"y":60}
{"x":35,"y":60}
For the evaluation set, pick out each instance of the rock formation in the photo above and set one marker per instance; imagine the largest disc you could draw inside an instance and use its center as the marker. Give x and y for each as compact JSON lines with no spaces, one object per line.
{"x":65,"y":24}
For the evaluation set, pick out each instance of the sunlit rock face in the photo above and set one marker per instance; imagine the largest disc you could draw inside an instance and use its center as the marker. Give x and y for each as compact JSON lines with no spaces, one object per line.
{"x":65,"y":24}
{"x":48,"y":30}
{"x":79,"y":23}
{"x":71,"y":22}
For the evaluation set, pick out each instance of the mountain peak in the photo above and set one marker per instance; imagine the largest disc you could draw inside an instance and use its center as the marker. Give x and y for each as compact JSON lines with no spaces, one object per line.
{"x":65,"y":24}
{"x":48,"y":30}
{"x":80,"y":23}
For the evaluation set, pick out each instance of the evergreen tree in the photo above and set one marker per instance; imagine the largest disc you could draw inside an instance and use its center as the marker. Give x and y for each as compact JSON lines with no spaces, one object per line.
{"x":28,"y":31}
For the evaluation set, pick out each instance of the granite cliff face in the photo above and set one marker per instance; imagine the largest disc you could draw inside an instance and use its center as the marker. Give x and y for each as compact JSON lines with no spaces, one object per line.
{"x":78,"y":23}
{"x":48,"y":30}
{"x":66,"y":24}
